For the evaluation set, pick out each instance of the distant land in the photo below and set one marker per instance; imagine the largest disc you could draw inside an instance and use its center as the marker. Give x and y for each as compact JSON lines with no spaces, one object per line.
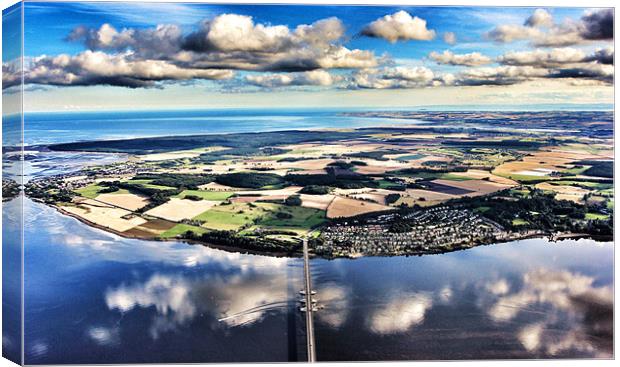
{"x":462,"y":180}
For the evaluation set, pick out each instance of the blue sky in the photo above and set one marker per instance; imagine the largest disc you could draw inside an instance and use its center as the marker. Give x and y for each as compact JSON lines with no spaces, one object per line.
{"x":11,"y":44}
{"x":361,"y":65}
{"x":45,"y":34}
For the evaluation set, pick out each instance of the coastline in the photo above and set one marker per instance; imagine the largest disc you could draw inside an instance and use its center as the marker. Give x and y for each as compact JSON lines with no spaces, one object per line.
{"x":172,"y":239}
{"x":514,"y":236}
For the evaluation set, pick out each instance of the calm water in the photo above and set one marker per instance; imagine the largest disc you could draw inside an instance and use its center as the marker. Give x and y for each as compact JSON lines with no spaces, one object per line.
{"x":525,"y":299}
{"x":47,"y":128}
{"x":93,"y":297}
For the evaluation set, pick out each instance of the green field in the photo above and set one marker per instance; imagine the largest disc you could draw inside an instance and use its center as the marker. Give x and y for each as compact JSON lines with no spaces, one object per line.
{"x":234,"y":216}
{"x":243,"y":215}
{"x":304,"y":218}
{"x":180,"y":229}
{"x":576,"y":170}
{"x":519,"y":222}
{"x":455,"y":177}
{"x":584,"y":184}
{"x":410,"y":157}
{"x":206,"y":195}
{"x":147,"y":184}
{"x":521,"y":178}
{"x":596,"y":216}
{"x":92,"y":191}
{"x":482,"y":209}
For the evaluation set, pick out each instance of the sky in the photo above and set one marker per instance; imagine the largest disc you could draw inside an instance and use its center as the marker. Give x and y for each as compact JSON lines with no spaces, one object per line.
{"x":105,"y":56}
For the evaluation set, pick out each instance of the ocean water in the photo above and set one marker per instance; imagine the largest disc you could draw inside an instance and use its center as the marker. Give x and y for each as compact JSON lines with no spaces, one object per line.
{"x":48,"y":128}
{"x":60,"y":127}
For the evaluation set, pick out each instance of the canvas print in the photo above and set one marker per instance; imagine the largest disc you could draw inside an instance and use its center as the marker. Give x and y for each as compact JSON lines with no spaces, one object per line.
{"x":194,"y":183}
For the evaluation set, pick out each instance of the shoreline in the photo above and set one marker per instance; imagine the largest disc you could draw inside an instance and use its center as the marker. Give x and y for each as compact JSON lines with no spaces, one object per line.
{"x":515,"y":236}
{"x":171,"y":239}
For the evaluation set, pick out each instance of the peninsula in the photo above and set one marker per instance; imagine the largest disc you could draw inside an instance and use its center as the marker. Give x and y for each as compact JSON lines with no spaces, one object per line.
{"x":458,"y":180}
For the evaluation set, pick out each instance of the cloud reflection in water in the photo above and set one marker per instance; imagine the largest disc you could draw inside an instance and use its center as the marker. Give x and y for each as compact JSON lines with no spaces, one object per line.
{"x":231,"y":301}
{"x":573,"y":315}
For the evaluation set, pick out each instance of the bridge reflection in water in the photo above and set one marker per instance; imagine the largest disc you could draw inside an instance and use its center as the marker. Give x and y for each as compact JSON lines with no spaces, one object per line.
{"x":309,"y":305}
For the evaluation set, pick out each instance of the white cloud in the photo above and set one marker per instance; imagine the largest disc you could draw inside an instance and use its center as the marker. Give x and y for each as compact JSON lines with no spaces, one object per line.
{"x":236,"y":42}
{"x":314,"y":77}
{"x":541,"y":31}
{"x":400,"y":26}
{"x":392,"y":78}
{"x":96,"y":67}
{"x":543,"y":58}
{"x":470,"y":59}
{"x":142,"y":57}
{"x":232,"y":32}
{"x":540,"y":18}
{"x":511,"y":32}
{"x":501,"y":75}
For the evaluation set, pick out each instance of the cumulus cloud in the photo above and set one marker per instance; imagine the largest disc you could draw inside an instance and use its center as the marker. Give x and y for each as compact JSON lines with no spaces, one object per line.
{"x":449,"y":38}
{"x":518,"y":68}
{"x":232,"y":32}
{"x":592,"y":71}
{"x":470,"y":59}
{"x":565,"y":63}
{"x":561,"y":63}
{"x":557,"y":57}
{"x":541,"y":30}
{"x":314,"y":78}
{"x":99,"y":68}
{"x":143,"y":57}
{"x":501,"y":75}
{"x":602,"y":56}
{"x":11,"y":73}
{"x":543,"y":58}
{"x":598,"y":25}
{"x":393,"y":78}
{"x":400,"y":26}
{"x":540,"y":18}
{"x":566,"y":34}
{"x":233,"y":41}
{"x":512,"y":32}
{"x":106,"y":37}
